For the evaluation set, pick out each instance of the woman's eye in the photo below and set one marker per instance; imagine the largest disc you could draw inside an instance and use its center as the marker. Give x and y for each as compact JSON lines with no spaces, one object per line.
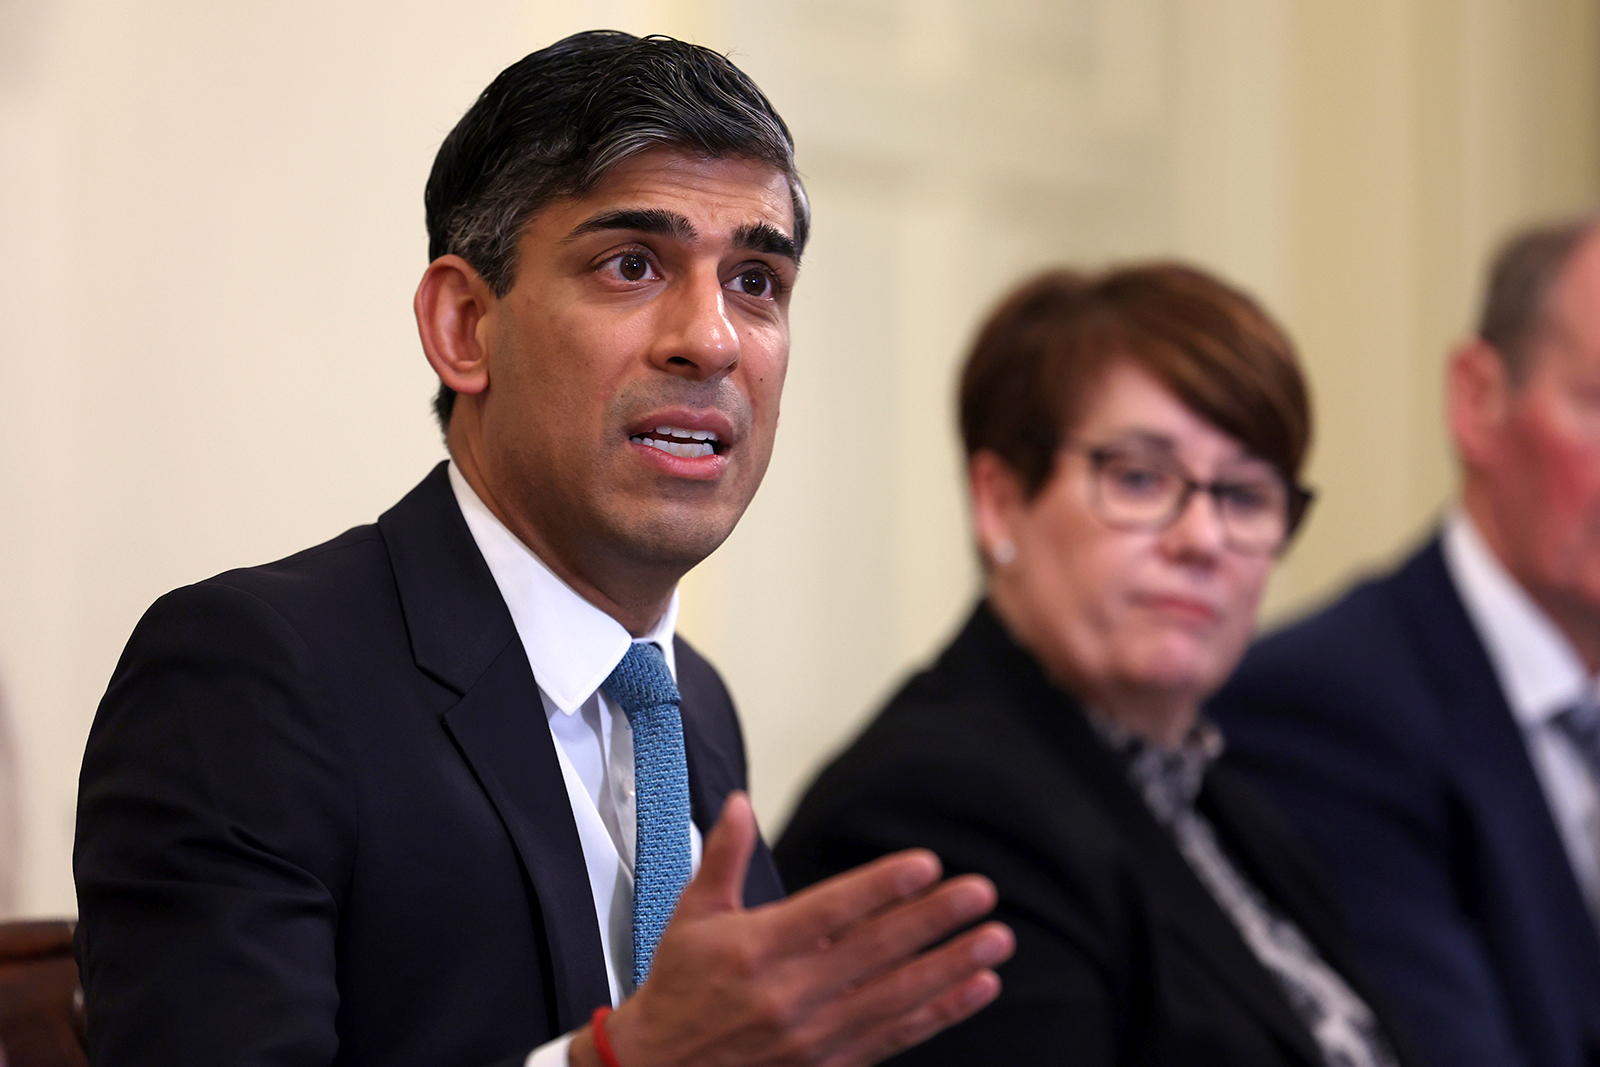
{"x":1140,"y":481}
{"x":757,"y":283}
{"x":1249,"y":498}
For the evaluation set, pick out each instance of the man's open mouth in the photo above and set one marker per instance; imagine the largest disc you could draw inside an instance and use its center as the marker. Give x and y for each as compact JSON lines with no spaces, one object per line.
{"x":686,"y":444}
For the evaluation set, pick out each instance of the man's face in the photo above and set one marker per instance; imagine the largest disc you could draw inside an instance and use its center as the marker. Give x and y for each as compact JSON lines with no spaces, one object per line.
{"x":635,"y":365}
{"x":1540,"y":469}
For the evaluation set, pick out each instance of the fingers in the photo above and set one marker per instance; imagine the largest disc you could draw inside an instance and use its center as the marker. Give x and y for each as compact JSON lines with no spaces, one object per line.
{"x":908,"y":1004}
{"x":889,"y":937}
{"x":954,"y":1005}
{"x":933,"y":978}
{"x":724,"y":861}
{"x":828,"y":910}
{"x":893,"y":935}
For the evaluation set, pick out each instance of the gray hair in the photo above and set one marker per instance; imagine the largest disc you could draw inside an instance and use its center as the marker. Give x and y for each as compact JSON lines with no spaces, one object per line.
{"x":1521,"y":276}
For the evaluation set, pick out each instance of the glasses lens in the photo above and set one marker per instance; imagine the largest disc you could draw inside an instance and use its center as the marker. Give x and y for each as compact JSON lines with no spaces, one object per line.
{"x":1135,"y":491}
{"x":1255,"y":514}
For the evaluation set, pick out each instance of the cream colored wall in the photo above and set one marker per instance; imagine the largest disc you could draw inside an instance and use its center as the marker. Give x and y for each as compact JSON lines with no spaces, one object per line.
{"x":211,"y":218}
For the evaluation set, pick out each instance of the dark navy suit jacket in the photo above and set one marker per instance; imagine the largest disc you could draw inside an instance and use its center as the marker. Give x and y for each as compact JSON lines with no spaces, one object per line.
{"x":1380,"y":726}
{"x":321,"y":819}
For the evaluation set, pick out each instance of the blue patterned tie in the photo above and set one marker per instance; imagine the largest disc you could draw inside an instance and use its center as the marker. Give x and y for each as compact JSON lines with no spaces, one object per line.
{"x":644,"y":687}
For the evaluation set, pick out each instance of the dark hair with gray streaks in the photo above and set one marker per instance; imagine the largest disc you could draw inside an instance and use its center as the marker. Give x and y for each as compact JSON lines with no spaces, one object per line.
{"x":554,"y":123}
{"x":1516,"y":298}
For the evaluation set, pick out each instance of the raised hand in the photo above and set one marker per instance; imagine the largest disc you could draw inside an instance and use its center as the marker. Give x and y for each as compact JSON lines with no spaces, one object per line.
{"x":835,"y":976}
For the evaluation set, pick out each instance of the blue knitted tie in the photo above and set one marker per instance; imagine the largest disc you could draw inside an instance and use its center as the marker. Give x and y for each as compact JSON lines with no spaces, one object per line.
{"x":644,"y":687}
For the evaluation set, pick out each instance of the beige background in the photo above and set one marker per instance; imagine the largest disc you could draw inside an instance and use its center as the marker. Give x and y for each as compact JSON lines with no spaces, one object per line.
{"x":211,"y":222}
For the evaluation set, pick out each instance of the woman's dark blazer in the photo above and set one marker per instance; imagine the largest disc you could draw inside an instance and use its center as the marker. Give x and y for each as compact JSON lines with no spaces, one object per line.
{"x":1122,"y":955}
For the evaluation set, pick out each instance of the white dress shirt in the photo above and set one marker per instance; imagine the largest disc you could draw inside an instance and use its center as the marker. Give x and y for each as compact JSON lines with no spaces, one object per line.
{"x":1541,"y":675}
{"x":573,"y":647}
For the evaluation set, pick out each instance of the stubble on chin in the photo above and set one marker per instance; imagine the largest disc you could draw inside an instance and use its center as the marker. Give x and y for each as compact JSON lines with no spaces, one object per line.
{"x":675,"y":524}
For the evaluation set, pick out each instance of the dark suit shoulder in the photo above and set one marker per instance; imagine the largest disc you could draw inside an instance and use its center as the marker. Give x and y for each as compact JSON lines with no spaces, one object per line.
{"x":1347,"y":689}
{"x":319,"y":581}
{"x":1340,"y":649}
{"x":952,"y":765}
{"x":232,"y":686}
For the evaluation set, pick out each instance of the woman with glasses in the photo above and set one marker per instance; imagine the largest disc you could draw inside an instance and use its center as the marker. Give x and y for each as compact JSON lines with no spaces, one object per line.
{"x":1134,"y":442}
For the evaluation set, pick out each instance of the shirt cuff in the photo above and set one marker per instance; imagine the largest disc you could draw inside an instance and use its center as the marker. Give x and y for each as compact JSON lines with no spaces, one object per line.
{"x":551,"y":1053}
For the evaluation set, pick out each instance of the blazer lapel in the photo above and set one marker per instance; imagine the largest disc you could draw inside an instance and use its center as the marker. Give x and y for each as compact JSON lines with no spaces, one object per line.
{"x":1196,"y":920}
{"x":462,"y":634}
{"x":1272,"y":856}
{"x":1178,"y":896}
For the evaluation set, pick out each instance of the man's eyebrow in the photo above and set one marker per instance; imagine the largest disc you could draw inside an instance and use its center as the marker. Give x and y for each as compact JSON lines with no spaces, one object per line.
{"x":764,"y":237}
{"x":754,"y":236}
{"x":641,"y":220}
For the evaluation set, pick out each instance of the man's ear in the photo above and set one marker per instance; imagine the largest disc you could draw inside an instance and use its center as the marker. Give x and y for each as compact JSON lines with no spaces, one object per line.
{"x":1478,"y":397}
{"x":451,"y":305}
{"x":997,"y":497}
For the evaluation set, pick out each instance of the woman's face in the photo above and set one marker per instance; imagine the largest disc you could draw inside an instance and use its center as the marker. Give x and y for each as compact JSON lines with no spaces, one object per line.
{"x":1117,"y":614}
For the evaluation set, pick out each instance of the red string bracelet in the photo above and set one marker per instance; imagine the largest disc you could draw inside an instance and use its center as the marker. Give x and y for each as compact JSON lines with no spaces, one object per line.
{"x":602,"y":1043}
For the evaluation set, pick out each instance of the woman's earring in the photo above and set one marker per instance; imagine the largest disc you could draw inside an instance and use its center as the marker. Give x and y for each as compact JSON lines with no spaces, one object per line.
{"x":1003,"y":552}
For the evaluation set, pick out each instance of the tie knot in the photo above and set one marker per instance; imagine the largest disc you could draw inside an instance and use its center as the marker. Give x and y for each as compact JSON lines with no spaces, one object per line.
{"x":641,"y":681}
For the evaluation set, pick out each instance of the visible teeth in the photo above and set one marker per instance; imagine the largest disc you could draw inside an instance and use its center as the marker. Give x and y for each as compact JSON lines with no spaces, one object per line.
{"x":683,"y":449}
{"x":678,"y":433}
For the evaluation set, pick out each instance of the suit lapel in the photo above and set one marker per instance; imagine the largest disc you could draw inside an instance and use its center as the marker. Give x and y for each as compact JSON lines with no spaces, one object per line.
{"x":1494,"y":775}
{"x":500,"y":728}
{"x":1179,"y":899}
{"x":1196,"y":920}
{"x":711,"y":777}
{"x":714,"y":771}
{"x":1272,"y":856}
{"x":462,"y":634}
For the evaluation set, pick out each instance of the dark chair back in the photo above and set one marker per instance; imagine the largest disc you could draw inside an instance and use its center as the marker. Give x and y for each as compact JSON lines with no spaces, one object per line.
{"x":41,"y":1005}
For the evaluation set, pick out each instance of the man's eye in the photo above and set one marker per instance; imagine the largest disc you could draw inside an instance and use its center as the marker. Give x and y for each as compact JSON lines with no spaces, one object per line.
{"x":630,"y":267}
{"x":757,"y":283}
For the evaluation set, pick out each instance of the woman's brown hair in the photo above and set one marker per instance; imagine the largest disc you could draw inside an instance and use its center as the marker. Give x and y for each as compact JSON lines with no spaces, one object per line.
{"x":1041,"y":353}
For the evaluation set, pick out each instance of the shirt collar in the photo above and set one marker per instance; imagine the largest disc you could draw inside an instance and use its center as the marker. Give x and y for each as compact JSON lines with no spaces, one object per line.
{"x":1538,"y":668}
{"x":572,"y":645}
{"x":1169,"y":779}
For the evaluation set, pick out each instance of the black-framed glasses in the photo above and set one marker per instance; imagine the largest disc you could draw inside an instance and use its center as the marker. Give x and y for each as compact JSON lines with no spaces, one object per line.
{"x":1134,"y":490}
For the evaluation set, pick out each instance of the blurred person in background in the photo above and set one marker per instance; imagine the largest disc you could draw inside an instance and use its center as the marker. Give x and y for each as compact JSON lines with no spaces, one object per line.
{"x":1436,"y":731}
{"x":1134,"y":442}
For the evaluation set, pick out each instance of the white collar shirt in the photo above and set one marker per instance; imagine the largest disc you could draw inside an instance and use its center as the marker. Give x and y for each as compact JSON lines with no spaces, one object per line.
{"x":1541,"y":675}
{"x":573,"y":647}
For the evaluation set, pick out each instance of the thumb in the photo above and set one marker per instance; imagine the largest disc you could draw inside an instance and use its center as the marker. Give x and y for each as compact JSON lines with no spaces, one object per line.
{"x":719,"y":886}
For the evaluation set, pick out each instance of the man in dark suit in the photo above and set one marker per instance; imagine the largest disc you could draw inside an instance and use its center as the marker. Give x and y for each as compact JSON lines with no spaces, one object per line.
{"x":1434,"y":732}
{"x":427,"y":793}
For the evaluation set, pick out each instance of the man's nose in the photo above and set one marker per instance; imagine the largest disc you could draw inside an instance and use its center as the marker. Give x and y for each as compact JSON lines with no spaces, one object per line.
{"x":697,"y":339}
